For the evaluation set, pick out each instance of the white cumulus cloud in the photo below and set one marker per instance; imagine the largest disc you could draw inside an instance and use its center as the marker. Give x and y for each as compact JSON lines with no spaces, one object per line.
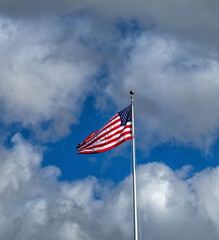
{"x":45,"y":74}
{"x":176,"y":92}
{"x":40,"y":207}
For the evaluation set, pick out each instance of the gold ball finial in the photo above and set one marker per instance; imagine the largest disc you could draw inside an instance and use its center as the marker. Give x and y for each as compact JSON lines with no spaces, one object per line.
{"x":131,"y":92}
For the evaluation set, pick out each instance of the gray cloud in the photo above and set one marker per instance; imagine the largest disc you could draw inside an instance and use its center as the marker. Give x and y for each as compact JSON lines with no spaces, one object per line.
{"x":37,"y":8}
{"x":195,"y":21}
{"x":38,"y":206}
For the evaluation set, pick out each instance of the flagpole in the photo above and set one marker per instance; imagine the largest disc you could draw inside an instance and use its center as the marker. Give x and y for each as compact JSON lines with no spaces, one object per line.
{"x":134,"y":174}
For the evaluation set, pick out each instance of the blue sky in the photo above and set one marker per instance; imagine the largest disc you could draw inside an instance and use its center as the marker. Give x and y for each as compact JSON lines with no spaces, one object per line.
{"x":116,"y":167}
{"x":66,"y":67}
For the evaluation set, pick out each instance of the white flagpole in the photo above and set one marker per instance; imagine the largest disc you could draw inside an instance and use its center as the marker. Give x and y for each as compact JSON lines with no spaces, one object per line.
{"x":134,"y":174}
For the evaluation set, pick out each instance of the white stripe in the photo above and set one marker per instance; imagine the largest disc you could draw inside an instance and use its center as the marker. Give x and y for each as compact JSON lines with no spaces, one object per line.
{"x":111,"y":121}
{"x":112,"y":132}
{"x":106,"y":146}
{"x":100,"y":134}
{"x":102,"y":141}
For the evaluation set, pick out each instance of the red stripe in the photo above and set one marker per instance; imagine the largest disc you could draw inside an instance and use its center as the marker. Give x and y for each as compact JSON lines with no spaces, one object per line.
{"x":109,"y":136}
{"x":117,"y":132}
{"x":90,"y":136}
{"x":107,"y":145}
{"x":106,"y":149}
{"x":105,"y":126}
{"x":108,"y":126}
{"x":108,"y":142}
{"x":88,"y":143}
{"x":95,"y":133}
{"x":93,"y":136}
{"x":99,"y":137}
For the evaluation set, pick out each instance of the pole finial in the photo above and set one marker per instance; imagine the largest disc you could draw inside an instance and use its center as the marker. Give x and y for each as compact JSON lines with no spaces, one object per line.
{"x":131,"y":92}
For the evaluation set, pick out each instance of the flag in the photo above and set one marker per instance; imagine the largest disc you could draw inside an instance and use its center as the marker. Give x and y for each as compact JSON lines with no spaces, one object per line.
{"x":116,"y":131}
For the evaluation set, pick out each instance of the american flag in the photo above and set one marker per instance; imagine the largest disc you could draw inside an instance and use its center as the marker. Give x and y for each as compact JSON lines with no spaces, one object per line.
{"x":116,"y":131}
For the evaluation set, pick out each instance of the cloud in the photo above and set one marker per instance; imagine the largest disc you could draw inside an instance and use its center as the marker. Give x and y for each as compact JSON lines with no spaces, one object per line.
{"x":39,"y":206}
{"x":176,"y":92}
{"x":51,"y":53}
{"x":46,"y":74}
{"x":189,"y":20}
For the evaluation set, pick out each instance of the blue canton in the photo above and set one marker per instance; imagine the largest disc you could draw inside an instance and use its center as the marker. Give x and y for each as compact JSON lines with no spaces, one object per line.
{"x":126,"y":115}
